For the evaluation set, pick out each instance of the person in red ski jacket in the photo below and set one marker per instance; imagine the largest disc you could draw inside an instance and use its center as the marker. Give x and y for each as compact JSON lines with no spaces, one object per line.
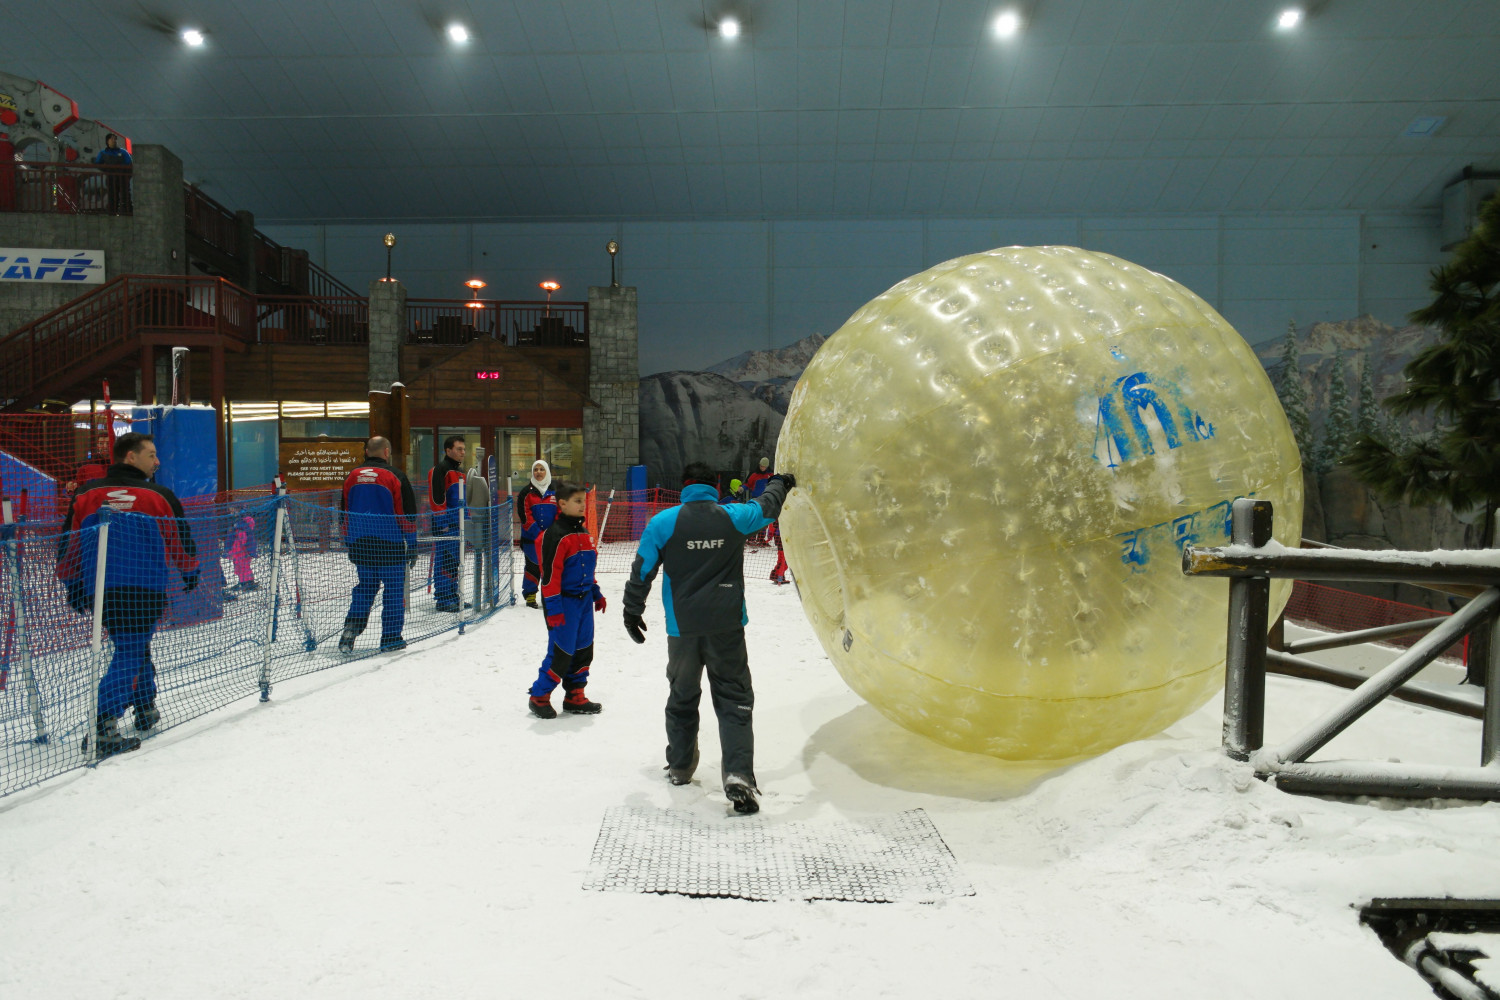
{"x":570,"y":596}
{"x":148,"y":537}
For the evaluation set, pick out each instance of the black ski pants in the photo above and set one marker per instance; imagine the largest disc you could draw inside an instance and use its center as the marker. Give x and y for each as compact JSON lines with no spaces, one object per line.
{"x":723,"y":655}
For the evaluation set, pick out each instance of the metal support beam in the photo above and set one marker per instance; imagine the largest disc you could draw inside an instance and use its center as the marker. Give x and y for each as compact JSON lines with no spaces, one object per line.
{"x":1420,"y":781}
{"x":1296,"y":666}
{"x":1365,"y":635}
{"x":1386,"y":566}
{"x":1489,"y":754}
{"x":1245,"y":645}
{"x":1402,"y":669}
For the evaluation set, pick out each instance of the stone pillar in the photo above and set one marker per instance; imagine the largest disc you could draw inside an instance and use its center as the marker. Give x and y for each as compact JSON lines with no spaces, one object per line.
{"x":157,"y":239}
{"x":387,"y":332}
{"x":612,"y":429}
{"x":245,"y":246}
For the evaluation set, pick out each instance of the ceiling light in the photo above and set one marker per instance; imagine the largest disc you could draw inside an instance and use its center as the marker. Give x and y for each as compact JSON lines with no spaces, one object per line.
{"x":193,"y":37}
{"x":729,"y":28}
{"x":458,"y":33}
{"x":1289,"y":18}
{"x":1425,"y":126}
{"x":1007,"y":24}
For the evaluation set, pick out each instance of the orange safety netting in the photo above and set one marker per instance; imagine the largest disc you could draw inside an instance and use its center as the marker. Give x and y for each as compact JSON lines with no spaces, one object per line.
{"x":1334,"y":610}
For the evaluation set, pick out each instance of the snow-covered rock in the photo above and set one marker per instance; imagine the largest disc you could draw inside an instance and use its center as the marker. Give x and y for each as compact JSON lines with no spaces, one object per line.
{"x":701,"y":416}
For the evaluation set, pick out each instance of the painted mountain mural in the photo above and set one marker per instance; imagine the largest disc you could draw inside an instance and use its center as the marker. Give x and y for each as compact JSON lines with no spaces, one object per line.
{"x":730,"y":416}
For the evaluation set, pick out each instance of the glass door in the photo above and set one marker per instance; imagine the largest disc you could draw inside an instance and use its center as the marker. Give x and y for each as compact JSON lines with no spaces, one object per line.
{"x":515,"y":451}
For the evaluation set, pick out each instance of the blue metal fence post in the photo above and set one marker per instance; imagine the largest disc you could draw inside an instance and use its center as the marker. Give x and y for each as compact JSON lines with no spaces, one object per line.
{"x":96,"y":645}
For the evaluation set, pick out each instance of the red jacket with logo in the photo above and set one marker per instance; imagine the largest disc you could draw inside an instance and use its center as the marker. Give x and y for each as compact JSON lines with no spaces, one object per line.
{"x":147,"y":533}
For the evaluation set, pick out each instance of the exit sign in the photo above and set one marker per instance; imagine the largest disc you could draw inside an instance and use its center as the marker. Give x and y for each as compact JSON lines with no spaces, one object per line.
{"x":488,"y":375}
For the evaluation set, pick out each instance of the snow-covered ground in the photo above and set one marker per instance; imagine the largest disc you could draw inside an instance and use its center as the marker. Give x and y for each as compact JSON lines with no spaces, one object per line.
{"x":400,"y":827}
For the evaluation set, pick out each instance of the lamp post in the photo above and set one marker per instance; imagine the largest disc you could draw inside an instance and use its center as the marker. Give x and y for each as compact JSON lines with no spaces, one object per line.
{"x":549,"y":287}
{"x":390,"y":244}
{"x":474,"y":285}
{"x":612,"y":248}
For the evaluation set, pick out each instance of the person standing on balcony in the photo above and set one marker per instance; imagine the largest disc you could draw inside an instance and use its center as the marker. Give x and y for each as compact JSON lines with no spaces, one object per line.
{"x":117,"y":177}
{"x":149,"y":533}
{"x":446,"y":501}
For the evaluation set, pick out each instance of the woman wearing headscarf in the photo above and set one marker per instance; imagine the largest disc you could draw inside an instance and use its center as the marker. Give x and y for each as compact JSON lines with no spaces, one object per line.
{"x":536,"y":506}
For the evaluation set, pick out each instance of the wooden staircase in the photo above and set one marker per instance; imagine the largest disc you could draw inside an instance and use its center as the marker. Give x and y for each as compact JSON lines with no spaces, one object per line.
{"x":64,"y":353}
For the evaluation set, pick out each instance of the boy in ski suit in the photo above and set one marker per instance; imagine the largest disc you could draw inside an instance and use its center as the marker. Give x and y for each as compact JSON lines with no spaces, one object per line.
{"x":536,"y":506}
{"x":570,"y":596}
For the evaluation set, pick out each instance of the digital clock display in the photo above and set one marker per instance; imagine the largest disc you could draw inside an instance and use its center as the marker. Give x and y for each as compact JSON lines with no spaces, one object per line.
{"x":487,"y":375}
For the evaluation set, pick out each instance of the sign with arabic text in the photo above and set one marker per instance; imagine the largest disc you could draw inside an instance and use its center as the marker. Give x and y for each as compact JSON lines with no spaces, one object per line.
{"x":319,"y":463}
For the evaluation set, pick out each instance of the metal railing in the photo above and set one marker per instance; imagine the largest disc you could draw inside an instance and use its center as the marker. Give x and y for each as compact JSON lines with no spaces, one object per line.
{"x":65,"y":188}
{"x":1250,"y":563}
{"x":308,"y":319}
{"x":517,"y":324}
{"x":53,"y":349}
{"x":211,"y":222}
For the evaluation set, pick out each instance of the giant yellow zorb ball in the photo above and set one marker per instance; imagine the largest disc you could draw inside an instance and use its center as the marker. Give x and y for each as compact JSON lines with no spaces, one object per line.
{"x":998,"y":462}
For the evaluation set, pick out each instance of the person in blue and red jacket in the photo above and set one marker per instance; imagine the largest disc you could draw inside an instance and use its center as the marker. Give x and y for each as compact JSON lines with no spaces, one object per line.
{"x":446,"y":501}
{"x":570,"y":596}
{"x":147,"y":532}
{"x":380,"y":532}
{"x":536,"y":506}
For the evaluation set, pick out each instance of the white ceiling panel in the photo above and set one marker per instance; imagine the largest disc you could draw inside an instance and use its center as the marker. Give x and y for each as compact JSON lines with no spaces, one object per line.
{"x":822,"y":107}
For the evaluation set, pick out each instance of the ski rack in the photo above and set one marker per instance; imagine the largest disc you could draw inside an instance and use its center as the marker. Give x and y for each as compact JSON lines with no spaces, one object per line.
{"x":1250,"y":563}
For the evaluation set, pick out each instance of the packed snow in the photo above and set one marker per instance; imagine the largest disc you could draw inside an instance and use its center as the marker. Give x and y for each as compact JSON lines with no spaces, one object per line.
{"x":401,"y":827}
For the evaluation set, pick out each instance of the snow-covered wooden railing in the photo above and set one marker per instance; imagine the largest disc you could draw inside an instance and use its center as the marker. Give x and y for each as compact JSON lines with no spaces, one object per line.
{"x":1250,"y":563}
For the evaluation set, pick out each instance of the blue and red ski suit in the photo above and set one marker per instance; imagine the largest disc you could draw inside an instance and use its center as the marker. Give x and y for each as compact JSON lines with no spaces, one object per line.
{"x":445,"y":500}
{"x":536,"y":510}
{"x":570,"y":596}
{"x":147,"y":531}
{"x":380,"y":529}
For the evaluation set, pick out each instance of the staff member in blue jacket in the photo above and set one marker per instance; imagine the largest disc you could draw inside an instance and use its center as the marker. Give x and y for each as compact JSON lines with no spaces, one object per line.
{"x":380,"y":533}
{"x":701,"y":544}
{"x":445,"y":500}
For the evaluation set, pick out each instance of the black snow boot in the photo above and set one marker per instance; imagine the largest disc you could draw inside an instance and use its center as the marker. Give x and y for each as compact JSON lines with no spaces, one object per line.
{"x":577,"y":703}
{"x":352,"y":629}
{"x":146,"y":716}
{"x":739,"y":790}
{"x":542,"y":707}
{"x":531,"y":602}
{"x":681,"y":776}
{"x":110,"y":742}
{"x":391,"y":643}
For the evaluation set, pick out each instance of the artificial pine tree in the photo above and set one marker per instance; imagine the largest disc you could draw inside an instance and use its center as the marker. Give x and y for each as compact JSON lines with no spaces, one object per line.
{"x":1293,"y":394}
{"x":1458,"y":380}
{"x":1371,"y":421}
{"x":1338,"y":428}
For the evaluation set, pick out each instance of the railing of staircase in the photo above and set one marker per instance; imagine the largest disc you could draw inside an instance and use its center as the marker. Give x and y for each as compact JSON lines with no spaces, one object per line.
{"x":309,"y":319}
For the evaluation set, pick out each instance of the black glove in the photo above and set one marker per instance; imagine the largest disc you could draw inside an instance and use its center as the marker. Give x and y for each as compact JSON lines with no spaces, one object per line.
{"x":636,"y":626}
{"x":189,"y":582}
{"x":787,"y":478}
